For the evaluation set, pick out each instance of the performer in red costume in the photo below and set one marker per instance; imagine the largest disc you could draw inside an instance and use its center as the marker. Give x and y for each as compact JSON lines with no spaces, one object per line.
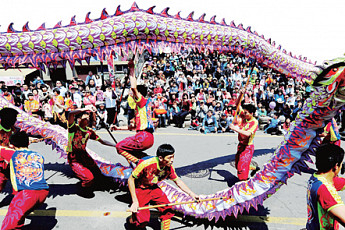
{"x":27,"y":177}
{"x":143,"y":188}
{"x":246,"y":129}
{"x":132,"y":147}
{"x":8,"y":119}
{"x":80,"y":161}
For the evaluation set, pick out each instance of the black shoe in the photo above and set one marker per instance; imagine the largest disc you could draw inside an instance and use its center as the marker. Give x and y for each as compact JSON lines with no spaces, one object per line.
{"x":255,"y":171}
{"x":85,"y":192}
{"x":129,"y":226}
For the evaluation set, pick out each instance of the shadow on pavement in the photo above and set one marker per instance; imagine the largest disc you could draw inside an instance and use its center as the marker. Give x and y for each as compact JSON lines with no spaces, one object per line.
{"x":41,"y":222}
{"x":254,"y":221}
{"x":203,"y":166}
{"x":229,"y":178}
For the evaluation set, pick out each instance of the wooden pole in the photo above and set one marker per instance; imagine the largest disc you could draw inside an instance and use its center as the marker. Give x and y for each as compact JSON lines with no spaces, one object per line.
{"x":242,"y":94}
{"x":106,"y":127}
{"x":178,"y":203}
{"x":36,"y":140}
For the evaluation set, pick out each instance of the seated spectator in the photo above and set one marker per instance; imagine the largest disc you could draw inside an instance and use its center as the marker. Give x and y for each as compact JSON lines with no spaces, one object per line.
{"x":160,"y":109}
{"x":217,"y":109}
{"x":273,"y":126}
{"x":287,"y":111}
{"x":297,"y":109}
{"x":201,"y":96}
{"x":291,"y":100}
{"x":286,"y":126}
{"x":201,"y":110}
{"x":210,"y":97}
{"x":185,"y":109}
{"x":223,"y":124}
{"x":209,"y":123}
{"x":174,"y":110}
{"x":158,"y":89}
{"x":194,"y":124}
{"x":194,"y":105}
{"x":279,"y":99}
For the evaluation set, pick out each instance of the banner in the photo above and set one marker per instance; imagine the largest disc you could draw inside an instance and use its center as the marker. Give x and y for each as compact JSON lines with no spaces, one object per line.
{"x":12,"y":80}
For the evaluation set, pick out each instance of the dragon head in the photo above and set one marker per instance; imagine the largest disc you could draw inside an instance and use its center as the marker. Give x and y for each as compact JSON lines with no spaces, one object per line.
{"x":329,"y":84}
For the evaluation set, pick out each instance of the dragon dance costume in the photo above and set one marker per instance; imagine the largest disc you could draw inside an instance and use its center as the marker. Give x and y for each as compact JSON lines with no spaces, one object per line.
{"x":4,"y":167}
{"x":29,"y":186}
{"x":80,"y":161}
{"x":143,"y":139}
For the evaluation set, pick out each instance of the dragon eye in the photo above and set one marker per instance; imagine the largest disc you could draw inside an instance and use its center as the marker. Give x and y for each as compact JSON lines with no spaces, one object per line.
{"x":331,"y":87}
{"x":335,"y":69}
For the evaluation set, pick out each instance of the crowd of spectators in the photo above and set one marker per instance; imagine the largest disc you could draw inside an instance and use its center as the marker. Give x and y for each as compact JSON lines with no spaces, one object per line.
{"x":203,"y":87}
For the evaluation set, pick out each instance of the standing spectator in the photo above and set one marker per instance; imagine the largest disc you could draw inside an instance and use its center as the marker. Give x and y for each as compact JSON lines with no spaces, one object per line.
{"x":38,"y":80}
{"x":62,"y":89}
{"x":76,"y":97}
{"x":92,"y":86}
{"x":89,"y":77}
{"x":89,"y":100}
{"x":7,"y":95}
{"x":26,"y":90}
{"x":102,"y":114}
{"x":99,"y":94}
{"x":110,"y":104}
{"x":43,"y":94}
{"x":31,"y":105}
{"x":98,"y":81}
{"x":57,"y":103}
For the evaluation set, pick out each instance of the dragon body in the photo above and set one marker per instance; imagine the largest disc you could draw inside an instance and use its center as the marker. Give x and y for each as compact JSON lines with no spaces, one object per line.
{"x":137,"y":30}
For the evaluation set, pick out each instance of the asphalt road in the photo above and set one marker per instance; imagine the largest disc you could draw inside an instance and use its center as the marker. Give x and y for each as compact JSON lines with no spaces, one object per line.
{"x":202,"y":162}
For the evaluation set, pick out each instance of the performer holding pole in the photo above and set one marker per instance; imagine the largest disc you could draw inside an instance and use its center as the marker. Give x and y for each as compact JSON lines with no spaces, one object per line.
{"x":143,"y":188}
{"x":246,"y":128}
{"x":80,"y":161}
{"x":8,"y":119}
{"x":143,"y":139}
{"x":27,"y":177}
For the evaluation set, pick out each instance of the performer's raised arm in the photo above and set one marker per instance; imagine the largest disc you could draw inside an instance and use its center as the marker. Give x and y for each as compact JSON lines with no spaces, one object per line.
{"x":133,"y":80}
{"x":72,"y":114}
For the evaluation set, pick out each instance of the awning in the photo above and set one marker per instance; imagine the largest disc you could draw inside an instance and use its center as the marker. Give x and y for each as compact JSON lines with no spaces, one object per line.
{"x":13,"y":76}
